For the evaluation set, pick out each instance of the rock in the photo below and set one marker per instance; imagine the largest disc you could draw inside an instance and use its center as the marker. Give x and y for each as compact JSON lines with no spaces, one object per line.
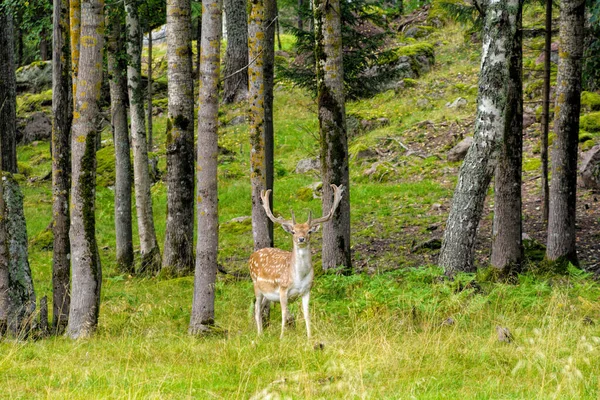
{"x":36,"y":127}
{"x":424,"y":104}
{"x":528,"y":120}
{"x":458,"y":103}
{"x":370,"y":124}
{"x":590,"y":168}
{"x":241,"y":219}
{"x":35,"y":77}
{"x":431,"y":244}
{"x":239,"y":120}
{"x":504,"y":334}
{"x":553,"y":55}
{"x":308,"y":164}
{"x":417,"y":32}
{"x":366,"y":153}
{"x":459,"y":151}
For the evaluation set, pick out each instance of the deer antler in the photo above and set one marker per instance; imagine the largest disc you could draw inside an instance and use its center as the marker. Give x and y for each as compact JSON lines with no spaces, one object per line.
{"x":265,"y":202}
{"x":337,"y":197}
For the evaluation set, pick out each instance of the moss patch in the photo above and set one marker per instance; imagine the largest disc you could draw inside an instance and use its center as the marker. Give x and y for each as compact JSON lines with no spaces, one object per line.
{"x":590,"y":101}
{"x":590,"y":122}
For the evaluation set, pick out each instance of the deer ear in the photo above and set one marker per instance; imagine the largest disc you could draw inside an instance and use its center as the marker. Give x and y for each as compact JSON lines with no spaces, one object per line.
{"x":288,"y":228}
{"x":315,"y":228}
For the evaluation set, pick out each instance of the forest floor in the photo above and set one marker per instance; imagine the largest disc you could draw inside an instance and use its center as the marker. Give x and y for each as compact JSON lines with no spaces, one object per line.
{"x":393,"y":329}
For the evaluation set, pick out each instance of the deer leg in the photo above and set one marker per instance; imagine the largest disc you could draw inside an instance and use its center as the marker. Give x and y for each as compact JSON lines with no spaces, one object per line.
{"x":284,"y":310}
{"x":265,"y":311}
{"x":258,"y":313}
{"x":305,"y":300}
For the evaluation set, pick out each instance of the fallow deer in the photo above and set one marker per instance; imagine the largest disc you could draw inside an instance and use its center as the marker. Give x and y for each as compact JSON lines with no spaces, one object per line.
{"x":280,"y":275}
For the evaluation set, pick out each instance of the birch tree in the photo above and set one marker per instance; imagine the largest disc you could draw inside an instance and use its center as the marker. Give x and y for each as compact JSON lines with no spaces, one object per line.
{"x":178,"y":253}
{"x":203,"y":307}
{"x":500,"y":26}
{"x":507,"y":243}
{"x":117,"y":68}
{"x":150,"y":253}
{"x":86,"y":268}
{"x":332,"y":128}
{"x":561,"y":244}
{"x":62,"y":112}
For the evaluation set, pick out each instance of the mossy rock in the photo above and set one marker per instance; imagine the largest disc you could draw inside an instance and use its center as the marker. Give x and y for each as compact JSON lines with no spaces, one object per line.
{"x":35,"y":77}
{"x":304,"y":194}
{"x":238,"y":226}
{"x":31,"y":102}
{"x":588,"y":144}
{"x":590,"y":101}
{"x":585,"y":136}
{"x":24,"y":169}
{"x":590,"y":122}
{"x":534,"y":89}
{"x":410,"y":83}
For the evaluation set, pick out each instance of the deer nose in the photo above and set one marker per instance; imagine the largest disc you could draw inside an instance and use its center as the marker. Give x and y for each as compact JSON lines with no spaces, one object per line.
{"x":301,"y":240}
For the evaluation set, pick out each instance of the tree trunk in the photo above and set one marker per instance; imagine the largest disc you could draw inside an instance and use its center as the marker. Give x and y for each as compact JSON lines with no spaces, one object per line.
{"x":75,"y":35}
{"x":150,"y":90}
{"x":332,"y":127}
{"x":262,"y":227}
{"x":203,"y":307}
{"x":62,"y":104}
{"x":178,"y":257}
{"x":546,"y":112}
{"x":269,"y":76}
{"x":150,"y":253}
{"x":21,"y":291}
{"x":7,"y":120}
{"x":198,"y":44}
{"x":500,"y":25}
{"x":563,"y":188}
{"x":235,"y":87}
{"x":8,"y":87}
{"x":507,"y":243}
{"x":86,"y":267}
{"x":118,"y":106}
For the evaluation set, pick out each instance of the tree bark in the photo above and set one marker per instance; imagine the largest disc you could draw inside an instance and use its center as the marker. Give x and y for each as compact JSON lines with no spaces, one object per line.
{"x":150,"y":253}
{"x":150,"y":89}
{"x":546,"y":112}
{"x":21,"y":291}
{"x":8,"y":87}
{"x":178,"y":257}
{"x":203,"y":307}
{"x":561,"y":244}
{"x":299,"y":17}
{"x":62,"y":111}
{"x":118,"y":106}
{"x":332,"y":127}
{"x":235,"y":87}
{"x":86,"y":267}
{"x":75,"y":35}
{"x":476,"y":172}
{"x":262,"y":227}
{"x":507,"y":243}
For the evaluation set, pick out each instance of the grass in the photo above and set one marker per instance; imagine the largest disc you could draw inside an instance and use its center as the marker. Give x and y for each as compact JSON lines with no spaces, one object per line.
{"x":399,"y":332}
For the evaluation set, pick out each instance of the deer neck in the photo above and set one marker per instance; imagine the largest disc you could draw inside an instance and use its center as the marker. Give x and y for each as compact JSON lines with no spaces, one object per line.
{"x":301,"y":261}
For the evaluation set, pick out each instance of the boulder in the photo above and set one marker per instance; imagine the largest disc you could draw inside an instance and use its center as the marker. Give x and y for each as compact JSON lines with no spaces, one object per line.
{"x":590,"y":168}
{"x":528,"y":120}
{"x":458,"y":103}
{"x":308,"y":164}
{"x":553,"y":55}
{"x":35,"y":77}
{"x":459,"y":151}
{"x":36,"y":127}
{"x":239,"y":120}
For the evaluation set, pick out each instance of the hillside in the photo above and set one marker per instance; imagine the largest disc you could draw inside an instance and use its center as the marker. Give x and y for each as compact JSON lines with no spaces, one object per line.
{"x":394,"y":329}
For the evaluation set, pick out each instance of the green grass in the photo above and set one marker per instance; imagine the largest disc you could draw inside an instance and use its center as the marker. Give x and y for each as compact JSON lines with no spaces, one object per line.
{"x":383,"y":335}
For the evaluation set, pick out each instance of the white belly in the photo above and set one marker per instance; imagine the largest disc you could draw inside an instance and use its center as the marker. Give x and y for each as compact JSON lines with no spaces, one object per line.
{"x":299,"y":288}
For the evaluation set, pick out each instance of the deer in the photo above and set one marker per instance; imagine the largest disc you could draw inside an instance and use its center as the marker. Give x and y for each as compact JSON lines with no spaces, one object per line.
{"x":282,"y":276}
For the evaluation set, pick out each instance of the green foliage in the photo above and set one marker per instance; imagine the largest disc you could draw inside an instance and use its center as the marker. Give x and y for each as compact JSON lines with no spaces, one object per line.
{"x":24,"y":169}
{"x":590,"y":101}
{"x":590,"y":122}
{"x":364,"y":32}
{"x":591,"y":56}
